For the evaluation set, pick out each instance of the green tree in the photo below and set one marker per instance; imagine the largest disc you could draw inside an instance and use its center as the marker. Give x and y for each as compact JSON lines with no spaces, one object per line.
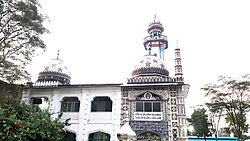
{"x":21,"y":27}
{"x":27,"y":122}
{"x":231,"y":128}
{"x":199,"y":120}
{"x":215,"y":114}
{"x":232,"y":97}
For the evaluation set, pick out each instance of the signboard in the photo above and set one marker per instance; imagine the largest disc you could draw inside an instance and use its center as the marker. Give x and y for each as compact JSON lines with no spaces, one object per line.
{"x":148,"y":116}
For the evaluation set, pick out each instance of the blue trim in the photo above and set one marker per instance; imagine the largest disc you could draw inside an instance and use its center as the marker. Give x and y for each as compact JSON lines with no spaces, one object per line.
{"x":195,"y":138}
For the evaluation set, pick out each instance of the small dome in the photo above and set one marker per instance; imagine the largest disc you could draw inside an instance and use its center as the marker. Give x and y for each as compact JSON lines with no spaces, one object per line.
{"x":150,"y":65}
{"x":55,"y":70}
{"x":155,"y":27}
{"x":56,"y":65}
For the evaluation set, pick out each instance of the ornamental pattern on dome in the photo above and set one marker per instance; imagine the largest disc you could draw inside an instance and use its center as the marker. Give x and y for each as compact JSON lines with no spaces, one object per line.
{"x":150,"y":61}
{"x":56,"y":65}
{"x":150,"y":65}
{"x":55,"y":72}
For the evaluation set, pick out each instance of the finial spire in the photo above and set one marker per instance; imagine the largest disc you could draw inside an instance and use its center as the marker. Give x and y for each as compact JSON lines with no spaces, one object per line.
{"x":177,"y":45}
{"x":154,"y":18}
{"x":58,"y":53}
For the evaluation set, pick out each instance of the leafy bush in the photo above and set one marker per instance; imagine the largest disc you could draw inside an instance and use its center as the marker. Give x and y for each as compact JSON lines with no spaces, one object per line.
{"x":26,"y":122}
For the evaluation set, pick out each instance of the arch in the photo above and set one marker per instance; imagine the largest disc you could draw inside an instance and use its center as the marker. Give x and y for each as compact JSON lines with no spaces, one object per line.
{"x":99,"y":136}
{"x":149,"y":135}
{"x":42,"y":101}
{"x":70,"y":136}
{"x":39,"y":99}
{"x":70,"y":104}
{"x":99,"y":130}
{"x":101,"y":104}
{"x":148,"y":102}
{"x":70,"y":130}
{"x":92,"y":97}
{"x":148,"y":96}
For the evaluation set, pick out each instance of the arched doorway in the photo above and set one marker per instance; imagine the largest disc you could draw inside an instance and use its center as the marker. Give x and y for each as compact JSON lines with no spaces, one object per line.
{"x":99,"y":136}
{"x":149,"y":136}
{"x":70,"y":136}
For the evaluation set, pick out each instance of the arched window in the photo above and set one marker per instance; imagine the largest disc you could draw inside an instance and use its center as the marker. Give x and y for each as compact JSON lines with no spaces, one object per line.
{"x":101,"y":104}
{"x":181,"y":108}
{"x":148,"y":102}
{"x":148,"y":106}
{"x":99,"y":136}
{"x":70,"y":136}
{"x":42,"y":102}
{"x":179,"y":132}
{"x":36,"y":100}
{"x":70,"y":104}
{"x":183,"y":133}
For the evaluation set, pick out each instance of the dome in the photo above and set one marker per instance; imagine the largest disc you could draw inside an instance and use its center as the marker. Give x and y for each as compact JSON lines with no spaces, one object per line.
{"x":150,"y":65}
{"x":155,"y":26}
{"x":56,"y":65}
{"x":54,"y":71}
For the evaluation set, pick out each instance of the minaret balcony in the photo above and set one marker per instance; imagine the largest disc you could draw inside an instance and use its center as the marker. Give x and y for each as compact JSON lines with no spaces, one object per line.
{"x":156,"y":38}
{"x":156,"y":41}
{"x":155,"y":26}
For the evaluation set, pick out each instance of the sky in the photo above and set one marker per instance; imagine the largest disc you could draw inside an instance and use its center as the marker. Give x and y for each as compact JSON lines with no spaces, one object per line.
{"x":102,"y":40}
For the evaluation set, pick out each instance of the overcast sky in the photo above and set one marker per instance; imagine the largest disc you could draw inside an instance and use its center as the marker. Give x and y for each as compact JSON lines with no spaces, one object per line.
{"x":102,"y":40}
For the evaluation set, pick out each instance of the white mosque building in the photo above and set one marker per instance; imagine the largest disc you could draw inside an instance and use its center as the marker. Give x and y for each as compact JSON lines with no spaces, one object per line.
{"x":150,"y":107}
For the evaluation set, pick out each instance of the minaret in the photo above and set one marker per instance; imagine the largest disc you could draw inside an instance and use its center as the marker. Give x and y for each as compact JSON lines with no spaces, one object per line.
{"x":178,"y":66}
{"x":156,"y":43}
{"x":150,"y":90}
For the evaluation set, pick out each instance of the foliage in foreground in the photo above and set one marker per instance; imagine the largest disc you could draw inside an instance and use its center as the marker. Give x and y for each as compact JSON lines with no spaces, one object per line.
{"x":233,"y":98}
{"x":27,"y":122}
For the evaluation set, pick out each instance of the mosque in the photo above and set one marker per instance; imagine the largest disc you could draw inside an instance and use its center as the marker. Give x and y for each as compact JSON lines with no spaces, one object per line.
{"x":149,"y":107}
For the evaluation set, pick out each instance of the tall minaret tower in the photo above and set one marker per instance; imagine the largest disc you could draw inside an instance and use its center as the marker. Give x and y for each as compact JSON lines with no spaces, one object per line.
{"x":152,"y":102}
{"x":178,"y":66}
{"x":156,"y":43}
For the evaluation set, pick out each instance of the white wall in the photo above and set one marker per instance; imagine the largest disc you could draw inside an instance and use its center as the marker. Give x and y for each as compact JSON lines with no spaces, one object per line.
{"x":84,"y":122}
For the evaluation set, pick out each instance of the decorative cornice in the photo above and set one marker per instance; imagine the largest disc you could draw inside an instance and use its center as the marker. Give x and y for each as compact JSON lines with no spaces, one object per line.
{"x":150,"y":71}
{"x":151,"y":79}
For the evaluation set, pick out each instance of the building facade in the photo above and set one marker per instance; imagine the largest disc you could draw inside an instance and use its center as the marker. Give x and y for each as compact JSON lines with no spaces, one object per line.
{"x":152,"y":103}
{"x":92,"y":108}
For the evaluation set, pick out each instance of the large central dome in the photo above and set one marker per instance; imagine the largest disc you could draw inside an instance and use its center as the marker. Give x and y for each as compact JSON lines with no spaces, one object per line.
{"x":150,"y":69}
{"x":150,"y":65}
